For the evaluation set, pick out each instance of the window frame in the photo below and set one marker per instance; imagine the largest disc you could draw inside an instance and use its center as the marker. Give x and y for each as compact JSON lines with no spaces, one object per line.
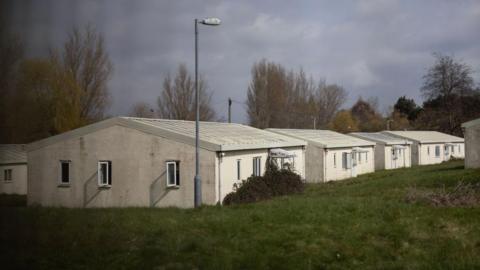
{"x":334,"y":160}
{"x":7,"y":175}
{"x":108,"y":173}
{"x":437,"y":147}
{"x":176,"y":173}
{"x":60,"y":180}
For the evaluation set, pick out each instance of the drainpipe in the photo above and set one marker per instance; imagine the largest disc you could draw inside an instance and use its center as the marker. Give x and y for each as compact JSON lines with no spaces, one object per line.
{"x":220,"y":159}
{"x":325,"y":152}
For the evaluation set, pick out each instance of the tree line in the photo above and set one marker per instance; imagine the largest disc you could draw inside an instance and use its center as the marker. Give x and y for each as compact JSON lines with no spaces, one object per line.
{"x":287,"y":99}
{"x":67,"y":89}
{"x":41,"y":97}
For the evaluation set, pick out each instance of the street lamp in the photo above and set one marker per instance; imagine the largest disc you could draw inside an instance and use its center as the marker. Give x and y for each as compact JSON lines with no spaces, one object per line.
{"x":197,"y":180}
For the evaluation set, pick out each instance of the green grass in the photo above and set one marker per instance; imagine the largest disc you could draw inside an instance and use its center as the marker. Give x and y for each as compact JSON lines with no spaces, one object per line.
{"x":363,"y":223}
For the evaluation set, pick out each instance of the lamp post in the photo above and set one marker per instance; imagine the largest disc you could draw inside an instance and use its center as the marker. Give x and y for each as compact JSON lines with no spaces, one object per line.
{"x":197,"y":180}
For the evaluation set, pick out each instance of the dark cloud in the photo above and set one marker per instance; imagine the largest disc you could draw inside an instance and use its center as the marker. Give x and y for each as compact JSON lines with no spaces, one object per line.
{"x":372,"y":48}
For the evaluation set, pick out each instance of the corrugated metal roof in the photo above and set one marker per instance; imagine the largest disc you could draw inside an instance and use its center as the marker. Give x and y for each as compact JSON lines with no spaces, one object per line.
{"x":423,"y":136}
{"x":12,"y":153}
{"x":227,"y":136}
{"x":380,"y":138}
{"x":475,"y":122}
{"x":213,"y":136}
{"x":323,"y":138}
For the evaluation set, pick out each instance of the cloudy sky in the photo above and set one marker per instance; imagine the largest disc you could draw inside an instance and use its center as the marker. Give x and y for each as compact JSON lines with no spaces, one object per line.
{"x":372,"y":48}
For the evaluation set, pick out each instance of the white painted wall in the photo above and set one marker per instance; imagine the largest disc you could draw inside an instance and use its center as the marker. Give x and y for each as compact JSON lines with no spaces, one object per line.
{"x":18,"y":185}
{"x":226,"y":167}
{"x":428,"y":155}
{"x":403,"y":159}
{"x":335,"y":171}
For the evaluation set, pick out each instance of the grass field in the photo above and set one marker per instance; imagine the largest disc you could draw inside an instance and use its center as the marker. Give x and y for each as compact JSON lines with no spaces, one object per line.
{"x":364,"y":223}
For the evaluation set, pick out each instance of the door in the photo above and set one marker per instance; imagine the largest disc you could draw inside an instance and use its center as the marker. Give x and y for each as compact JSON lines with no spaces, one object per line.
{"x":353,"y":157}
{"x":394,"y":158}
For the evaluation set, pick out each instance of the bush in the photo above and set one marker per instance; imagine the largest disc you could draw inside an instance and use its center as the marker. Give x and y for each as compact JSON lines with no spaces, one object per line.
{"x":258,"y":188}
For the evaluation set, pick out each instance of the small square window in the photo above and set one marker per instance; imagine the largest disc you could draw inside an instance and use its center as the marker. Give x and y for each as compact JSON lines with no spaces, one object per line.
{"x":7,"y":175}
{"x":173,"y":173}
{"x":105,"y":173}
{"x":64,"y":172}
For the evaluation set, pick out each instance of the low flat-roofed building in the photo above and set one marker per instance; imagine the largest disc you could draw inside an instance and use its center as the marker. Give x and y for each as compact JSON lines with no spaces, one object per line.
{"x":331,"y":155}
{"x":390,"y":152}
{"x":13,"y":169}
{"x":431,"y":147}
{"x":127,"y":161}
{"x":472,"y":143}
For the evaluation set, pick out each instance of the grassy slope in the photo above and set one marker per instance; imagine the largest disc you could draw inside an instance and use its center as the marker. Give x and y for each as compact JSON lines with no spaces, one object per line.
{"x":362,"y":223}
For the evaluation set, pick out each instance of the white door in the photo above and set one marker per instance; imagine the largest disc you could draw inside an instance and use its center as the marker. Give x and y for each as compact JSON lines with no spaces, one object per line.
{"x":353,"y":157}
{"x":446,"y":152}
{"x":394,"y":158}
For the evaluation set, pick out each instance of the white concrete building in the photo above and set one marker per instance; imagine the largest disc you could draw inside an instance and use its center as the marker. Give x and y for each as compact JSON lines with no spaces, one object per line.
{"x":150,"y":162}
{"x":472,"y":143}
{"x":431,"y":147}
{"x":390,"y":152}
{"x":331,"y":155}
{"x":13,"y":169}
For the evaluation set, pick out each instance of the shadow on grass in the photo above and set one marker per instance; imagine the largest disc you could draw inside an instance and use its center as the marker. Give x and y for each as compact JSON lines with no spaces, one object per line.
{"x":455,"y":168}
{"x":13,"y":200}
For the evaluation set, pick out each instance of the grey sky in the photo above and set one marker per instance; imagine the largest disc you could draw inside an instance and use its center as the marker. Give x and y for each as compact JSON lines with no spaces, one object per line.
{"x":372,"y":48}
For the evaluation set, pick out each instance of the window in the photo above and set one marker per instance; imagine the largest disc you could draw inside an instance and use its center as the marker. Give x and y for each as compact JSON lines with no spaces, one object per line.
{"x":104,"y":173}
{"x":428,"y":150}
{"x":366,"y":156}
{"x":257,"y":166}
{"x":239,"y":174}
{"x":346,"y":160}
{"x":7,"y":175}
{"x":360,"y":158}
{"x":437,"y":151}
{"x":334,"y":160}
{"x":459,"y":148}
{"x":64,"y":171}
{"x":173,"y":173}
{"x":453,"y":149}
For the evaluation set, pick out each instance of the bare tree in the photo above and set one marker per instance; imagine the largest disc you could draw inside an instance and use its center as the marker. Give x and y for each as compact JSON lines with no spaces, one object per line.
{"x":277,"y":98}
{"x":328,"y":99}
{"x":447,"y":77}
{"x":447,"y":86}
{"x":85,"y":57}
{"x":177,"y":99}
{"x":143,"y":110}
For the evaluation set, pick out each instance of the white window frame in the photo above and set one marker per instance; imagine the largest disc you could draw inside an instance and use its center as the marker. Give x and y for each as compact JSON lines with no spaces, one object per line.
{"x":8,"y":175}
{"x":257,"y":166}
{"x":99,"y":174}
{"x":60,"y":180}
{"x":347,"y":160}
{"x":334,"y":160}
{"x":176,"y":167}
{"x":239,"y":169}
{"x":439,"y":154}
